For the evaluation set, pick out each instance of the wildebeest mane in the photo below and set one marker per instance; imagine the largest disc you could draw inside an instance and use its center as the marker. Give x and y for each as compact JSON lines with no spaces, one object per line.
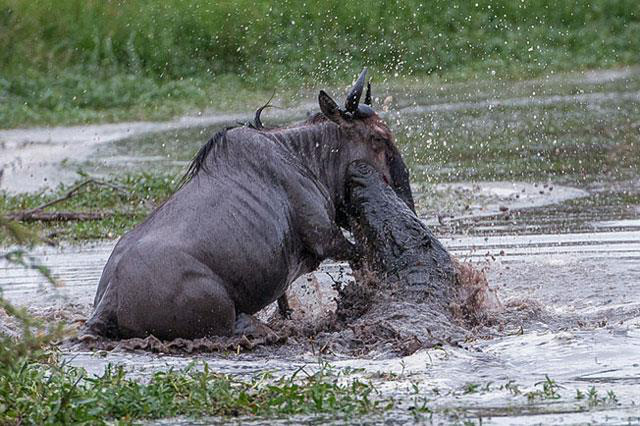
{"x":316,"y":118}
{"x":198,"y":162}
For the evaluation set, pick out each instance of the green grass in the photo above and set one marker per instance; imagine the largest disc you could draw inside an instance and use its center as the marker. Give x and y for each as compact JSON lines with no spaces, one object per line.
{"x":36,"y":388}
{"x":129,"y":200}
{"x":76,"y":95}
{"x":39,"y":393}
{"x":64,"y":61}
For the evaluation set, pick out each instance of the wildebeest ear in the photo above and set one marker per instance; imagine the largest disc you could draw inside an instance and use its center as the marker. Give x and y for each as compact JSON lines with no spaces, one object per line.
{"x":330,"y":108}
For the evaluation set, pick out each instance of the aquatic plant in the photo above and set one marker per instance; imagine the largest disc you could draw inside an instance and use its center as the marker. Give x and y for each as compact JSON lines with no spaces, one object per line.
{"x":36,"y":387}
{"x":545,"y":390}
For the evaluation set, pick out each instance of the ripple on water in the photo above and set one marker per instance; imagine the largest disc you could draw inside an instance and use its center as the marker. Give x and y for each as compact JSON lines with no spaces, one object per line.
{"x":575,"y":296}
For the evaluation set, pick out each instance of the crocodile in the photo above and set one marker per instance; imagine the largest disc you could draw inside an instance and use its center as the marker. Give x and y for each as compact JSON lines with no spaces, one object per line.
{"x":410,"y":292}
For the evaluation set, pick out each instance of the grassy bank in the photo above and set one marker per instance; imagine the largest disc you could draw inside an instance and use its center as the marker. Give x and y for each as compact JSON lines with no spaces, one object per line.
{"x":121,"y":203}
{"x":76,"y":61}
{"x":40,"y":393}
{"x":37,"y":388}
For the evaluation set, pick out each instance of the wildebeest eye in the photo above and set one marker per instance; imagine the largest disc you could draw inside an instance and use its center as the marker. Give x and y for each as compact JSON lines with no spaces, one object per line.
{"x":378,"y":143}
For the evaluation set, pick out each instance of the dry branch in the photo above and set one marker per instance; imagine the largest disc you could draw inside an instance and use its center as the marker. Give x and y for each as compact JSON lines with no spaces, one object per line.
{"x":62,"y":216}
{"x":37,"y":213}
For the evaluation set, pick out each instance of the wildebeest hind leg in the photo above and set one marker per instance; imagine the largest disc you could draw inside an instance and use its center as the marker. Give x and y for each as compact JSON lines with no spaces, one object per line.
{"x":103,"y":321}
{"x":200,"y":307}
{"x":170,"y":294}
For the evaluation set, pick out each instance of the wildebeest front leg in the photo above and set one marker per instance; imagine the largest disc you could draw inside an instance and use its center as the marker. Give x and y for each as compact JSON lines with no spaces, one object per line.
{"x":339,"y":248}
{"x":315,"y":221}
{"x":283,"y":306}
{"x":324,"y":238}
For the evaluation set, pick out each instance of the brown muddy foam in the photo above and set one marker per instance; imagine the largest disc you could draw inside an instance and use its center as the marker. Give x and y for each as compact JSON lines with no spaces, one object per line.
{"x":176,"y":346}
{"x":378,"y":316}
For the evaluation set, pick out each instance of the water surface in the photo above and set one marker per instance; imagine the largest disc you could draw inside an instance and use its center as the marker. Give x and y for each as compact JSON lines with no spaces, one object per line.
{"x":538,"y":182}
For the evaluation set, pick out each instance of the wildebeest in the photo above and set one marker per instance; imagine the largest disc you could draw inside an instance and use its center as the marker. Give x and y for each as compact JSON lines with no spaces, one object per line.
{"x":259,"y":208}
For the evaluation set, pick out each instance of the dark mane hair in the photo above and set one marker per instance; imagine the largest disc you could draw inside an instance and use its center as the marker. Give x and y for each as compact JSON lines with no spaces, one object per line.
{"x":198,"y":162}
{"x":316,"y":118}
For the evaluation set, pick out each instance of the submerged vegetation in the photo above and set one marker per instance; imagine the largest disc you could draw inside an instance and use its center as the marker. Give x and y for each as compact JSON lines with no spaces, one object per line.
{"x":77,"y":61}
{"x":54,"y":394}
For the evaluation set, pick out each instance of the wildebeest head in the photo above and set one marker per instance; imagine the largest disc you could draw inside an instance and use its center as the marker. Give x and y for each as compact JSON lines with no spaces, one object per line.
{"x":367,"y":137}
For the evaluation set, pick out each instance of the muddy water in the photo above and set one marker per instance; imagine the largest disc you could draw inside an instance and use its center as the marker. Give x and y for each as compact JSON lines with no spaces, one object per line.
{"x":573,"y":299}
{"x":536,"y":182}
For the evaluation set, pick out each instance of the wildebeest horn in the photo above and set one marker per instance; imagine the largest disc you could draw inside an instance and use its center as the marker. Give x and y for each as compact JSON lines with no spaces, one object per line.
{"x":257,"y":122}
{"x":353,"y":98}
{"x":367,"y":96}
